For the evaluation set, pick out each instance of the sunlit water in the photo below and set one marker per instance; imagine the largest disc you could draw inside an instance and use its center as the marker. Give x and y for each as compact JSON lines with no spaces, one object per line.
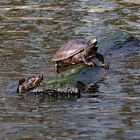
{"x":30,"y":34}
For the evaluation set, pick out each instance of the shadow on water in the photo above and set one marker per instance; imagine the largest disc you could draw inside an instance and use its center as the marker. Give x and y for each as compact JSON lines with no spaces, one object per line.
{"x":32,"y":31}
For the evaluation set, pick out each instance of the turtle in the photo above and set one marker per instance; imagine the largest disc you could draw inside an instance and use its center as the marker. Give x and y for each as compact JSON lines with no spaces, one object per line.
{"x":76,"y":51}
{"x":25,"y":85}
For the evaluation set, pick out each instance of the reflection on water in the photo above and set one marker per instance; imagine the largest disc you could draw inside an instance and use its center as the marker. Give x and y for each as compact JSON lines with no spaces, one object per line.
{"x":32,"y":31}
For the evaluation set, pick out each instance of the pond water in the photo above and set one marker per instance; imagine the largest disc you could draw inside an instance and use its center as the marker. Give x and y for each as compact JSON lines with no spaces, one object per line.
{"x":31,"y":33}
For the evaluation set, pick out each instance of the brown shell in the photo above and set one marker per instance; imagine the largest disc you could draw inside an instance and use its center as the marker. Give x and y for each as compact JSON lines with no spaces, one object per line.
{"x":69,"y":49}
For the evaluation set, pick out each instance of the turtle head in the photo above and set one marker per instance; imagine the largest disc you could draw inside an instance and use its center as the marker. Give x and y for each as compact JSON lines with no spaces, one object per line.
{"x":91,"y":47}
{"x":92,"y":42}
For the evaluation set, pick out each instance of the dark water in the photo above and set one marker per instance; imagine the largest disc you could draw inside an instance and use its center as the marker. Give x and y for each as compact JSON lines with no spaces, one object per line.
{"x":31,"y":32}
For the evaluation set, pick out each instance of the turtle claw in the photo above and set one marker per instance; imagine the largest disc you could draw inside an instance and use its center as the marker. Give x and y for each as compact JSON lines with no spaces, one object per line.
{"x":104,"y":66}
{"x":92,"y":64}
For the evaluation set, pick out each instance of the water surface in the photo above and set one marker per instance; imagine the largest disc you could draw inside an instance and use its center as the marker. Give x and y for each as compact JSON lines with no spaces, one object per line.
{"x":32,"y":31}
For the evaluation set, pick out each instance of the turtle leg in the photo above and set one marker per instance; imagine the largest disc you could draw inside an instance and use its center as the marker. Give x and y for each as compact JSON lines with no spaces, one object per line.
{"x":101,"y":60}
{"x":76,"y":59}
{"x":87,"y":62}
{"x":57,"y":67}
{"x":82,"y":58}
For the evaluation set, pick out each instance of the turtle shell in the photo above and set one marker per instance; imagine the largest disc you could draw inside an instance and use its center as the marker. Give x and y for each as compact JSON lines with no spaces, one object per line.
{"x":69,"y":49}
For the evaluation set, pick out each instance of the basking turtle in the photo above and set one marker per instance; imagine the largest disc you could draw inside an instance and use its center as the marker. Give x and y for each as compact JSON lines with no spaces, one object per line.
{"x":25,"y":85}
{"x":76,"y":51}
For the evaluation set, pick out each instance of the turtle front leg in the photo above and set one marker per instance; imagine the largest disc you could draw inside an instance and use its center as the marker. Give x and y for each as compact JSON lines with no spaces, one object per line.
{"x":101,"y":60}
{"x":89,"y":63}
